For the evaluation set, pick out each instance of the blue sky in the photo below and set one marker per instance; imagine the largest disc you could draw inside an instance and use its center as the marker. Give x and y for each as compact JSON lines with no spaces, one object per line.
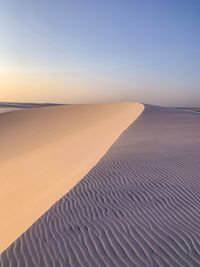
{"x":95,"y":51}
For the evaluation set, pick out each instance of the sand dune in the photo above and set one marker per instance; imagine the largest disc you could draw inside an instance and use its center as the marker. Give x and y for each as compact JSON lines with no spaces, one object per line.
{"x":139,"y":205}
{"x":26,"y":105}
{"x":4,"y":110}
{"x":10,"y":106}
{"x":14,"y":106}
{"x":46,"y":151}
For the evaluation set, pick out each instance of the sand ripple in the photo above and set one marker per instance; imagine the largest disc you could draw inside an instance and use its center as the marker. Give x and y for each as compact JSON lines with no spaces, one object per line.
{"x":139,"y":206}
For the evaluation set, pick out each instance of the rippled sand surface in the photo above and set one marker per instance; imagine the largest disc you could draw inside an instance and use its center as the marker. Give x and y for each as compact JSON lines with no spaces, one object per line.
{"x":139,"y":205}
{"x":46,"y":151}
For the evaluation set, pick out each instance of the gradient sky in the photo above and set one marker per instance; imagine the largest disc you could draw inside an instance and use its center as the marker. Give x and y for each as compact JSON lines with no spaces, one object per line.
{"x":78,"y":51}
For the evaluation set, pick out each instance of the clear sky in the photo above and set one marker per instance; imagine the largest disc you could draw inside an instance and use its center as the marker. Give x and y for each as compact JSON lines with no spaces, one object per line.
{"x":77,"y":51}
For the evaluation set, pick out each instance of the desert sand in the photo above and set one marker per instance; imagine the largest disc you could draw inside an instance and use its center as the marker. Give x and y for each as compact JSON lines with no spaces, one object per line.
{"x":138,"y":206}
{"x":4,"y":110}
{"x":14,"y":106}
{"x":46,"y":151}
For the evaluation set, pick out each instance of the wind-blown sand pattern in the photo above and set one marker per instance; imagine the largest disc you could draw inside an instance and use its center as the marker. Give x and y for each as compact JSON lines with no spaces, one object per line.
{"x":139,"y":205}
{"x":46,"y":151}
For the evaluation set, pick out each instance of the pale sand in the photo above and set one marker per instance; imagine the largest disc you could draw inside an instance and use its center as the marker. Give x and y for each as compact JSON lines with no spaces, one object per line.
{"x":139,"y":206}
{"x":46,"y":151}
{"x":4,"y":110}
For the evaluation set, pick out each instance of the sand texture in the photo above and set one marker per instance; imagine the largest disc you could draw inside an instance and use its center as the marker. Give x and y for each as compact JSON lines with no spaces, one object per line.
{"x":139,"y":205}
{"x":46,"y":151}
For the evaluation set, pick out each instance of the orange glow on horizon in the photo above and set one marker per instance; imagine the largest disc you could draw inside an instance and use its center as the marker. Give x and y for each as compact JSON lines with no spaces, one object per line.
{"x":37,"y":87}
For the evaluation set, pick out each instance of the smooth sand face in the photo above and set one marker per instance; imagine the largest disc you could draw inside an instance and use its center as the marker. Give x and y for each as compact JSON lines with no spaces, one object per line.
{"x":139,"y":206}
{"x":46,"y":151}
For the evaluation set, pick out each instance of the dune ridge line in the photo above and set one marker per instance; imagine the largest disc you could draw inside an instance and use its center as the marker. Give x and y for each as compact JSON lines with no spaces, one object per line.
{"x":46,"y":151}
{"x":138,"y":206}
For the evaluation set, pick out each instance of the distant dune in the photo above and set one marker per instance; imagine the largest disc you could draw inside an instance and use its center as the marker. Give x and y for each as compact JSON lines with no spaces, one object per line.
{"x":192,"y":109}
{"x":46,"y":151}
{"x":7,"y":109}
{"x":26,"y":105}
{"x":12,"y":106}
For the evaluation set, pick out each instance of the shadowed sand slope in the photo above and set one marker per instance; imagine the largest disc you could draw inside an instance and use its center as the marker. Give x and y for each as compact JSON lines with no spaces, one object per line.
{"x":139,"y":205}
{"x":46,"y":151}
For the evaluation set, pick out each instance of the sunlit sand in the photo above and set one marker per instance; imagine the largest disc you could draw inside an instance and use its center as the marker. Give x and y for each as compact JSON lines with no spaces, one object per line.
{"x":46,"y":151}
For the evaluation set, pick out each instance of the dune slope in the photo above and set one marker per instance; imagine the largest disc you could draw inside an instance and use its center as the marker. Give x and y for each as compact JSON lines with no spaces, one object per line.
{"x":46,"y":151}
{"x":139,"y":205}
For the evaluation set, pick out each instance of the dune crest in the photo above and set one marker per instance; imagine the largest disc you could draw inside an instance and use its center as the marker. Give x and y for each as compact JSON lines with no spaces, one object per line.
{"x":46,"y":151}
{"x":138,"y":206}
